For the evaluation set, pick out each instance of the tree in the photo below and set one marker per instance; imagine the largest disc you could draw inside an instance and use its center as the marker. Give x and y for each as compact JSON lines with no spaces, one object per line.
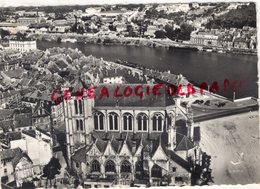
{"x":51,"y":170}
{"x":130,"y":29}
{"x":20,"y":35}
{"x":4,"y":33}
{"x":236,"y":18}
{"x":59,"y":40}
{"x":111,"y":27}
{"x":185,"y":32}
{"x":201,"y":174}
{"x":159,"y":34}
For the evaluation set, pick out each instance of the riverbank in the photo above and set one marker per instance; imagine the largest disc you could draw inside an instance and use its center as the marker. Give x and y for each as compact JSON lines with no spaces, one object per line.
{"x":139,"y":42}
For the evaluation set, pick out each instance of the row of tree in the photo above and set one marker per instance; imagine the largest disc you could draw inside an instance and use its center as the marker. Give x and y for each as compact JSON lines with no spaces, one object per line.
{"x":182,"y":33}
{"x":236,"y":18}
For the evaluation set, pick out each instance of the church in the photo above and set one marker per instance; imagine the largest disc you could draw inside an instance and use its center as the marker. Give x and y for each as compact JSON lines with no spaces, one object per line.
{"x":130,"y":141}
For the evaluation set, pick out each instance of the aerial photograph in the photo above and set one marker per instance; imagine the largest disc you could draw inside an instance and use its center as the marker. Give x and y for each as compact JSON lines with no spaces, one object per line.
{"x":123,"y":94}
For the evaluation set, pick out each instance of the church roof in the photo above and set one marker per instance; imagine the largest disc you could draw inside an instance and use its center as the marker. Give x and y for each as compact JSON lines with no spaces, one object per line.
{"x":80,"y":155}
{"x":133,"y":140}
{"x":133,"y":100}
{"x":184,"y":144}
{"x":183,"y":163}
{"x":149,"y":142}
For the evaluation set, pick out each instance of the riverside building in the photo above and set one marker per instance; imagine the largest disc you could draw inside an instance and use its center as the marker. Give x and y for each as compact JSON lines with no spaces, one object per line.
{"x":24,"y":45}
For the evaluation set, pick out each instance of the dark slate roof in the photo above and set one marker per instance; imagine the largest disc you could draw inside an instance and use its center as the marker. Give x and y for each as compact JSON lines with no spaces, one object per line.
{"x":39,"y":95}
{"x":61,"y":63}
{"x":117,"y":139}
{"x":116,"y":144}
{"x":30,"y":133}
{"x":101,"y":145}
{"x":25,"y":81}
{"x":186,"y":165}
{"x":17,"y":73}
{"x":6,"y":125}
{"x":8,"y":93}
{"x":53,"y":68}
{"x":149,"y":141}
{"x":23,"y":120}
{"x":10,"y":153}
{"x":18,"y":156}
{"x":43,"y":131}
{"x":14,"y":135}
{"x":80,"y":155}
{"x":184,"y":144}
{"x":150,"y":100}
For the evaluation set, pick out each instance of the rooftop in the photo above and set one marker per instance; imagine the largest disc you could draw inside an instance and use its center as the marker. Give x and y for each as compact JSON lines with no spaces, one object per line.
{"x":148,"y":100}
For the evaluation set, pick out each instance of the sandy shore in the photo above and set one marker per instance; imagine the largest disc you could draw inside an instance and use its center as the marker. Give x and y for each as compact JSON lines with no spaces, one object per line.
{"x":233,"y":143}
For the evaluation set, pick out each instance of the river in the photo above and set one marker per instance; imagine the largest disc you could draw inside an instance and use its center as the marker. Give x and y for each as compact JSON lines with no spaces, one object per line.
{"x":196,"y":66}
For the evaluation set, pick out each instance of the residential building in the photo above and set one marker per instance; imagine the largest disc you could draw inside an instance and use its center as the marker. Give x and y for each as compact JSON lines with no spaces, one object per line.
{"x":61,"y":21}
{"x":15,"y":166}
{"x":204,"y":38}
{"x":38,"y":146}
{"x":23,"y":45}
{"x":59,"y":29}
{"x":8,"y":97}
{"x":241,"y":43}
{"x":12,"y":75}
{"x":121,"y":27}
{"x":27,"y":20}
{"x":92,"y":11}
{"x":40,"y":102}
{"x":151,"y":30}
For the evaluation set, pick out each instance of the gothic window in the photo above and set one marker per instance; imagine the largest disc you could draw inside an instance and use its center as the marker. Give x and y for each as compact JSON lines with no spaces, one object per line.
{"x":125,"y":167}
{"x":110,"y":166}
{"x":76,"y":106}
{"x":138,"y":166}
{"x":170,"y":120}
{"x":157,"y":122}
{"x":95,"y":166}
{"x":80,"y":107}
{"x":79,"y":125}
{"x":179,"y":179}
{"x":113,"y":121}
{"x":98,"y":121}
{"x":156,"y":171}
{"x":142,"y":122}
{"x":127,"y":122}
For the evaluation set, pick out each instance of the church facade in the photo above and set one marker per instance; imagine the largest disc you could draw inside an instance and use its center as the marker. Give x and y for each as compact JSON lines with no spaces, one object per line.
{"x":130,"y":140}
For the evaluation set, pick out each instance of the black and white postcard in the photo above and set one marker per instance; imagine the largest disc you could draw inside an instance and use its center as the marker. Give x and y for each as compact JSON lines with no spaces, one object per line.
{"x":107,"y":94}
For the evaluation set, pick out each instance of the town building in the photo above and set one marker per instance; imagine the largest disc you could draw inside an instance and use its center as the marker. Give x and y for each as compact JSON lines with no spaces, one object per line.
{"x":15,"y":166}
{"x":27,"y":20}
{"x":151,"y":30}
{"x":204,"y":38}
{"x":241,"y":43}
{"x":23,"y":45}
{"x":59,"y":29}
{"x":38,"y":146}
{"x":92,"y":11}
